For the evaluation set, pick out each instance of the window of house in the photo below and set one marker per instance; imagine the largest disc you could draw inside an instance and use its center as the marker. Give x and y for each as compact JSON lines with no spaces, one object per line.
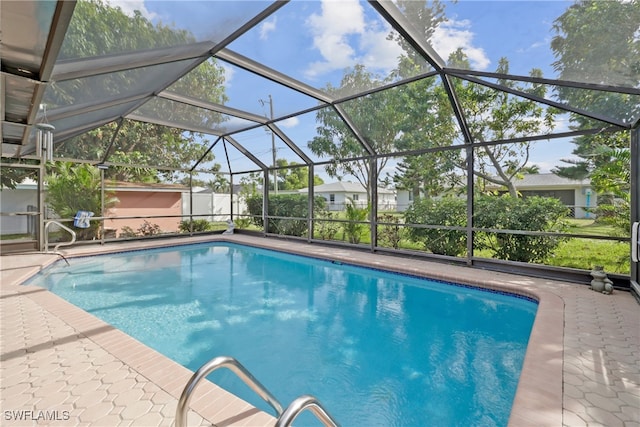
{"x":332,"y":198}
{"x":355,"y":197}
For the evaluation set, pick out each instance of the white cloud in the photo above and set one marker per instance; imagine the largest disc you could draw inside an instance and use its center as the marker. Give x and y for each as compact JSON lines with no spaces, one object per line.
{"x":344,"y":38}
{"x":331,"y":29}
{"x":267,"y":27}
{"x":289,"y":123}
{"x":451,"y":35}
{"x":380,"y":52}
{"x":228,"y":72}
{"x":129,"y":6}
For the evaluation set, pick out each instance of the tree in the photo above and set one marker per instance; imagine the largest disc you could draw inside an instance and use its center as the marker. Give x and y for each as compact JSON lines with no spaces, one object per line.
{"x":294,"y":178}
{"x":494,"y":115}
{"x":72,"y":188}
{"x":10,"y":176}
{"x":426,"y":120}
{"x":597,"y":42}
{"x":613,"y":182}
{"x":375,"y":117}
{"x":136,"y":143}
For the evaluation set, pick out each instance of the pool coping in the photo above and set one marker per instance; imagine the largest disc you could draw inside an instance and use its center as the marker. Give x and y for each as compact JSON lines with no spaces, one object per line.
{"x":539,"y":395}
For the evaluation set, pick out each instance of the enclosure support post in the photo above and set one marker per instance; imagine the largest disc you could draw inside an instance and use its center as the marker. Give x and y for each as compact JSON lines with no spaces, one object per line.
{"x":41,"y":205}
{"x":470,"y":188}
{"x":231,"y":201}
{"x":265,"y":201}
{"x":635,"y":201}
{"x":103,"y":212}
{"x":373,"y":214}
{"x":190,"y":203}
{"x":311,"y":198}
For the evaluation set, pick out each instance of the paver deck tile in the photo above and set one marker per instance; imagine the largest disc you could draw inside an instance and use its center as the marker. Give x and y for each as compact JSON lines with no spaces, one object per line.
{"x":57,"y":357}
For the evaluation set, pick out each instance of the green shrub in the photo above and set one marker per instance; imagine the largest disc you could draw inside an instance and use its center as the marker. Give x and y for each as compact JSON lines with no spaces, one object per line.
{"x":530,"y":214}
{"x":148,"y":229}
{"x":449,"y":211}
{"x":288,"y":206}
{"x":127,"y":231}
{"x":243,"y":222}
{"x":354,"y":229}
{"x":389,"y":235}
{"x":328,"y":229}
{"x":195,"y":226}
{"x":72,"y":188}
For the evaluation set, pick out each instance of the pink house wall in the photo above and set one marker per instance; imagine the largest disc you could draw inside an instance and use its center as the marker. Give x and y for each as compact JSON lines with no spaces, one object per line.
{"x":142,"y":203}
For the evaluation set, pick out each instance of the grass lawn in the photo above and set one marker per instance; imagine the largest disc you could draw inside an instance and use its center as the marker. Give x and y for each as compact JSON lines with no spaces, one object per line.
{"x":582,"y":253}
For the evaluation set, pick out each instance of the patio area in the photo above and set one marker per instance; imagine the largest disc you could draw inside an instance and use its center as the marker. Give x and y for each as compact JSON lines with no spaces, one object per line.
{"x":62,"y":366}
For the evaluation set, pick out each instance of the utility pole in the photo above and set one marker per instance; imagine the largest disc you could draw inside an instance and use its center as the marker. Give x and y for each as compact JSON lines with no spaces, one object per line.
{"x":273,"y":144}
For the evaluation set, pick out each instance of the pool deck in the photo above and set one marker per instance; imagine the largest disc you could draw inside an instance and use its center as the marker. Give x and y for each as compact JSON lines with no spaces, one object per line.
{"x":62,"y":366}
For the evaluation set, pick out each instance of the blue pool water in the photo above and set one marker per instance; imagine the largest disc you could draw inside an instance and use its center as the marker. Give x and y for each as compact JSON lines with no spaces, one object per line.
{"x":376,"y":348}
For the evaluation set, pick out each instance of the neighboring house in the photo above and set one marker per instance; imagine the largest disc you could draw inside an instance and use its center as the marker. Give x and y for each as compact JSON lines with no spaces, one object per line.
{"x":16,"y":201}
{"x":575,"y":194}
{"x":134,"y":200}
{"x":338,"y":194}
{"x":169,"y":200}
{"x":404,"y":199}
{"x":145,"y":199}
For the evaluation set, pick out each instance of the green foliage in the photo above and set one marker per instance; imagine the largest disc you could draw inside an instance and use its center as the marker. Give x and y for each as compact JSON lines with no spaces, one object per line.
{"x":612,"y":181}
{"x":242,"y":222}
{"x":530,"y":214}
{"x":149,"y":229}
{"x":375,"y":115}
{"x":71,"y":188}
{"x":390,"y":233}
{"x":587,"y":45}
{"x":355,"y":215}
{"x":494,"y":115}
{"x":325,"y":227}
{"x":99,"y":28}
{"x":288,"y":206}
{"x":449,"y":211}
{"x":127,"y":231}
{"x":146,"y":229}
{"x":197,"y":225}
{"x":10,"y":176}
{"x":294,"y":178}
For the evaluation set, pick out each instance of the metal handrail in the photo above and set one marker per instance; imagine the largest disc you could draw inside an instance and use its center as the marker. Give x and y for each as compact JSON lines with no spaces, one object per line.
{"x":233,"y":365}
{"x":301,"y":404}
{"x":46,"y":235}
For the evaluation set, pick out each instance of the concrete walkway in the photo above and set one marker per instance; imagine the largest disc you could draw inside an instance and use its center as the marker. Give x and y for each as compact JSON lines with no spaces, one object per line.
{"x":62,"y":366}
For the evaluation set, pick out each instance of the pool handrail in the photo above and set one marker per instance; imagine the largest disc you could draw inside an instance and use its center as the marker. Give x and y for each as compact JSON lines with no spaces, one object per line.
{"x":46,"y":238}
{"x":237,"y":368}
{"x":301,"y":404}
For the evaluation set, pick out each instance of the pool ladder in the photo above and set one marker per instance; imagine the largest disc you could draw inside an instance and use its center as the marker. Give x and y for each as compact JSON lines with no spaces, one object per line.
{"x":285,"y":417}
{"x":55,"y":249}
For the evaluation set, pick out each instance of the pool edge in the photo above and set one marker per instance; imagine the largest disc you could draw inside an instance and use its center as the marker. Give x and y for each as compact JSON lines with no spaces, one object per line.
{"x":538,"y":399}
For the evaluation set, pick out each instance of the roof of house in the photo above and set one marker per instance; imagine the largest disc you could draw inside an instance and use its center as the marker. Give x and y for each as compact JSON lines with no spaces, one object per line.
{"x":145,"y":186}
{"x":343,"y":187}
{"x":546,"y":180}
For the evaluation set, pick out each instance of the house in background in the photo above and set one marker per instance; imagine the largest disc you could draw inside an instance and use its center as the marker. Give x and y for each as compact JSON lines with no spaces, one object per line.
{"x":14,"y":203}
{"x":166,"y":202}
{"x":337,"y":194}
{"x":146,"y":199}
{"x":577,"y":195}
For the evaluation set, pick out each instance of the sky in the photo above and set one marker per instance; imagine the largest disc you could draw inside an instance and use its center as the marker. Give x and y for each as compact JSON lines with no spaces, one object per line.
{"x":315,"y":42}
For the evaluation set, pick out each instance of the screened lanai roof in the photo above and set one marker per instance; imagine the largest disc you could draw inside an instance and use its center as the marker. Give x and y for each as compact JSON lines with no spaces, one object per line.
{"x":239,"y":73}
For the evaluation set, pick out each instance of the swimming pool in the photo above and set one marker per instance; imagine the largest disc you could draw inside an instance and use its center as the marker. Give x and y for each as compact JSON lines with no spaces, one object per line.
{"x":376,"y":348}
